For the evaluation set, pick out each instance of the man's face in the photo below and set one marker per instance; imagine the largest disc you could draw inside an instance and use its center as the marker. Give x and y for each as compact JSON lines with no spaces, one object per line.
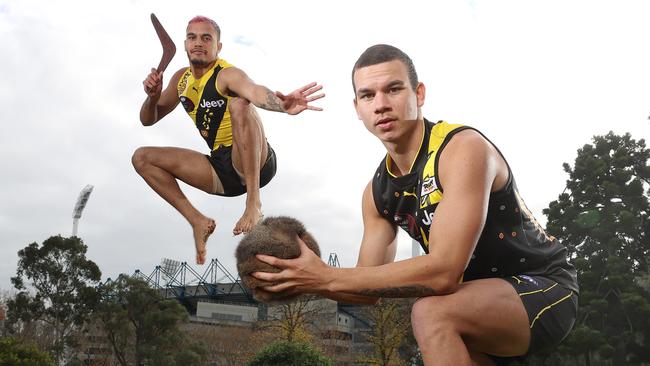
{"x":385,"y":100}
{"x":201,"y":43}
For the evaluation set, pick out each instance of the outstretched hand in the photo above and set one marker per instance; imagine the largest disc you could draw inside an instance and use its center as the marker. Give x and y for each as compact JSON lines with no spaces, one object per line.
{"x":299,"y":99}
{"x":305,"y":274}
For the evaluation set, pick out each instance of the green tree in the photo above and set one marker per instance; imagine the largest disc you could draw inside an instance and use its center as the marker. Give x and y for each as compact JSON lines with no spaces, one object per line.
{"x":283,"y":353}
{"x":143,"y":327}
{"x":56,"y":284}
{"x":603,"y":219}
{"x":15,"y":353}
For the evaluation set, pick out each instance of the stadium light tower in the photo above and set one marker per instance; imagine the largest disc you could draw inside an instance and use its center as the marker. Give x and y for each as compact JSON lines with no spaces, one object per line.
{"x":79,"y":207}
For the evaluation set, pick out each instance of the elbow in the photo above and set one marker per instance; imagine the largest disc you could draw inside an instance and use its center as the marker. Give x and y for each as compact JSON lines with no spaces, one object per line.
{"x":147,"y":121}
{"x":447,"y":283}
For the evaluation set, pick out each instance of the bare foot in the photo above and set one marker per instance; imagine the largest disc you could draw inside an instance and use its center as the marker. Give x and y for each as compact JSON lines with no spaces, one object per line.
{"x":250,"y":217}
{"x":201,"y":233}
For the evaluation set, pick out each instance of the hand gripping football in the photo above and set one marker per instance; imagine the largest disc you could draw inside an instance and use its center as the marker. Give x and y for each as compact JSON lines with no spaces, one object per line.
{"x":275,"y":236}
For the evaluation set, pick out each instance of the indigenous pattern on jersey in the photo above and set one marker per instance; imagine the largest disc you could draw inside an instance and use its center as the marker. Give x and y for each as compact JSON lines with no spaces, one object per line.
{"x":512,"y":241}
{"x":207,"y":106}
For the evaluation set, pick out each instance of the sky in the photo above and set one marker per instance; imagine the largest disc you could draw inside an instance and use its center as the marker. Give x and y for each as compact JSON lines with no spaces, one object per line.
{"x":539,"y":78}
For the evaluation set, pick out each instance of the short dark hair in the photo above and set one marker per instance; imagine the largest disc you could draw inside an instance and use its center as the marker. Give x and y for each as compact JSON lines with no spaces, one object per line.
{"x":380,"y":53}
{"x":201,"y":19}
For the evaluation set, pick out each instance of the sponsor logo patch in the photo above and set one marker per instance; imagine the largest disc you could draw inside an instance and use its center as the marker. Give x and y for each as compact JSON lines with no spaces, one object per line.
{"x":428,"y":186}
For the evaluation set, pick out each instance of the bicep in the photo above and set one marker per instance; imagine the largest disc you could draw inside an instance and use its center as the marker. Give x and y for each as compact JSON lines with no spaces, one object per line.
{"x":466,"y":172}
{"x":379,"y":243}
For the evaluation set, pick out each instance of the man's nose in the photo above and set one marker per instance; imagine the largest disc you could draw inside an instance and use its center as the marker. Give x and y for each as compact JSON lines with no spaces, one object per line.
{"x":381,"y":103}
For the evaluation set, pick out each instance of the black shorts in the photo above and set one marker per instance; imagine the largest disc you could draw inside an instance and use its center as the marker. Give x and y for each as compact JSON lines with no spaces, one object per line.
{"x":221,"y":161}
{"x":551,"y":309}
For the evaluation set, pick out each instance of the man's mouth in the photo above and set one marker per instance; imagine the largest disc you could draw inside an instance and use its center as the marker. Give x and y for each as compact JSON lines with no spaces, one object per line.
{"x":384,"y":121}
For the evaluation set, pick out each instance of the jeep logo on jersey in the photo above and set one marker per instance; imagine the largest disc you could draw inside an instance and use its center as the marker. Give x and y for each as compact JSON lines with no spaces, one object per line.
{"x":212,"y":103}
{"x":187,"y":104}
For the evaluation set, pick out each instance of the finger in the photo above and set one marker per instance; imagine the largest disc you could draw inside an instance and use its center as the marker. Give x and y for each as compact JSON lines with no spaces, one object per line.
{"x":280,"y":95}
{"x":313,"y":90}
{"x":307,"y":87}
{"x":266,"y":276}
{"x":303,"y":246}
{"x":149,"y":84}
{"x":279,"y":287}
{"x":315,"y":97}
{"x":312,"y":108}
{"x":274,"y":261}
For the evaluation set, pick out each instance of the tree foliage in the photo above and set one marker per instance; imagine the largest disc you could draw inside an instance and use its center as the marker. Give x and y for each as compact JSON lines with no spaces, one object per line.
{"x":284,"y":353}
{"x":15,"y":353}
{"x":603,"y":219}
{"x":391,"y":319}
{"x":145,"y":328}
{"x":296,"y":321}
{"x":56,"y":284}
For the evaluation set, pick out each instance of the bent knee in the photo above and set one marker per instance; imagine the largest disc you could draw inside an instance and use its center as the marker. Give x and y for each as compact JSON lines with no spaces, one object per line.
{"x":431,"y":316}
{"x":141,"y":157}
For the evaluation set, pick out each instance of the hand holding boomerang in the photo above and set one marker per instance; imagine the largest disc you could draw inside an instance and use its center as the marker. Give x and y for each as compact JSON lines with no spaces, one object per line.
{"x":153,"y":83}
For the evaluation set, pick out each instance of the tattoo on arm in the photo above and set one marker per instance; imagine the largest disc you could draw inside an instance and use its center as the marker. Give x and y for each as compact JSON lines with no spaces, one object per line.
{"x":273,"y":103}
{"x":407,"y":291}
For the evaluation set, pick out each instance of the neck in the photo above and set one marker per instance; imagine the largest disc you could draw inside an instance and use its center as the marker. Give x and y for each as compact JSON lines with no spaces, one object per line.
{"x":402,"y":153}
{"x":199,"y":70}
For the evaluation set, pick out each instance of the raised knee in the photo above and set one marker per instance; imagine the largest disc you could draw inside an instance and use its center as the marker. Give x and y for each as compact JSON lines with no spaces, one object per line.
{"x":238,"y":107}
{"x":141,"y":157}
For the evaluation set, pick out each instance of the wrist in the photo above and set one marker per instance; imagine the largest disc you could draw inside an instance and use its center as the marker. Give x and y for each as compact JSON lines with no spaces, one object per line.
{"x":331,"y":279}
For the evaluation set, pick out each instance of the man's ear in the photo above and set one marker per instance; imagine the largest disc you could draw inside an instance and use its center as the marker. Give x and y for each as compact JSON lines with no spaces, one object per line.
{"x":420,"y":92}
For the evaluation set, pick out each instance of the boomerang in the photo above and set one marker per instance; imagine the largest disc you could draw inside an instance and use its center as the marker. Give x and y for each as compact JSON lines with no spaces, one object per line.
{"x":168,"y":46}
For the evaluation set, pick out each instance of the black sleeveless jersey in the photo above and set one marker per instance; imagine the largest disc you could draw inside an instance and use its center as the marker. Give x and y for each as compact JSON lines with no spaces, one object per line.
{"x":512,"y":241}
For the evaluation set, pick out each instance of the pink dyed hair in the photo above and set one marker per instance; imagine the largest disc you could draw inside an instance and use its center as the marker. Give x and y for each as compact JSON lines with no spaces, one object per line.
{"x":201,"y":19}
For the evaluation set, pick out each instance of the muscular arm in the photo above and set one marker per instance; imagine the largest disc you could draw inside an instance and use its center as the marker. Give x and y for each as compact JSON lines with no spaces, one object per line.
{"x":233,"y":80}
{"x":159,"y":104}
{"x":469,"y":169}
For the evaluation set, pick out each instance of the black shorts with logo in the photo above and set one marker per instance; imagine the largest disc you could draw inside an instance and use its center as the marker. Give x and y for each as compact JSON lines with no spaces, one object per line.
{"x":221,"y":161}
{"x":551,"y":309}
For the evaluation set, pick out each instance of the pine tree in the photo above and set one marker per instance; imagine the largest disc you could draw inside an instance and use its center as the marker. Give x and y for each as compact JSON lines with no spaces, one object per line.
{"x":603,"y":219}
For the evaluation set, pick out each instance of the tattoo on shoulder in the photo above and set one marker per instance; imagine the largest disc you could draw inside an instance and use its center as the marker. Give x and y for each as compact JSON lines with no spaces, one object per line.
{"x":273,"y":103}
{"x":407,"y":291}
